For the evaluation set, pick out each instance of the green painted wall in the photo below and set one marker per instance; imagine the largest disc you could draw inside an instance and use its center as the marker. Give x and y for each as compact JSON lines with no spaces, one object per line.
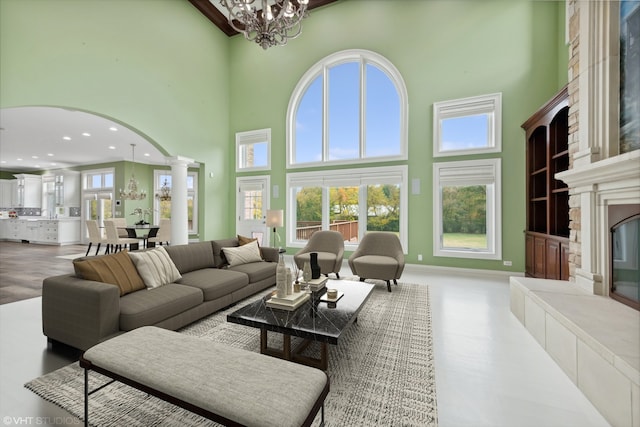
{"x":444,"y":50}
{"x":166,"y":71}
{"x":159,"y":66}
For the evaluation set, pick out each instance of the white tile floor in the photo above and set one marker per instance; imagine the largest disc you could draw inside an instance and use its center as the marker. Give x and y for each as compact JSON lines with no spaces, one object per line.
{"x":489,"y":370}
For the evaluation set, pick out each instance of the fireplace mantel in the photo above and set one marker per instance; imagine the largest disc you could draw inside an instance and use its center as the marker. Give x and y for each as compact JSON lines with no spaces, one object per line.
{"x":612,"y":181}
{"x":614,"y":170}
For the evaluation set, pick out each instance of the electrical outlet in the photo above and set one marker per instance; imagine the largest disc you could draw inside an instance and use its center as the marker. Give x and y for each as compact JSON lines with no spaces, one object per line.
{"x":506,"y":263}
{"x":419,"y":257}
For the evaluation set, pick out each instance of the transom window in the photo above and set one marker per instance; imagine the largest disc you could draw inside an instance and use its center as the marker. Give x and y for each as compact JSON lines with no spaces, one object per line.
{"x":349,"y":107}
{"x":253,"y":150}
{"x":467,"y":126}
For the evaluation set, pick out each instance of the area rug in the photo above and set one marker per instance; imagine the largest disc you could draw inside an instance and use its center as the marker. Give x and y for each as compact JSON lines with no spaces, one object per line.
{"x":381,"y":372}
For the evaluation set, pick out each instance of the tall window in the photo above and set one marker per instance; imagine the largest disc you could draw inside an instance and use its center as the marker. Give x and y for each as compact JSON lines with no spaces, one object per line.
{"x":466,"y":209}
{"x":349,"y":107}
{"x":351,"y":202}
{"x":162,"y":208}
{"x":97,"y":195}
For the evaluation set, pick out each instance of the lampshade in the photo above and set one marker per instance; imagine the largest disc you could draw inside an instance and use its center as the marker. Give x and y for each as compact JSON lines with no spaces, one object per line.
{"x":274,"y":218}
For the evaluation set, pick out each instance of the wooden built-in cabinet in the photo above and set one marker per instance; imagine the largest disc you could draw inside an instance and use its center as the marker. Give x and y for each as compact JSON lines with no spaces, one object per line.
{"x":547,"y":232}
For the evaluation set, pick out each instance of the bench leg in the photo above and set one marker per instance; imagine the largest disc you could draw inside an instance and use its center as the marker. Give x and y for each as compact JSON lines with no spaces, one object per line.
{"x":322,"y":415}
{"x":86,"y":397}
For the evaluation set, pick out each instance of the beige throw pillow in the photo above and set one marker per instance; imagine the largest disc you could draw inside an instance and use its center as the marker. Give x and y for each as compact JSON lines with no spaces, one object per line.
{"x":244,"y":254}
{"x":156,"y":267}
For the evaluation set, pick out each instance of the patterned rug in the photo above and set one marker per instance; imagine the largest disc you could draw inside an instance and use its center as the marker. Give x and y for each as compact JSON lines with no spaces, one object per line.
{"x":381,"y":372}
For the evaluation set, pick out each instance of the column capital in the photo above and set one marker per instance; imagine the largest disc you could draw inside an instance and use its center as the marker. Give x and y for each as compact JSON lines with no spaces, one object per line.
{"x":179,"y":161}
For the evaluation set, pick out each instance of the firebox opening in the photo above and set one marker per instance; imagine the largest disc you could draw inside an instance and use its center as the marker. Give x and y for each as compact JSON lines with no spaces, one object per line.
{"x":624,"y":280}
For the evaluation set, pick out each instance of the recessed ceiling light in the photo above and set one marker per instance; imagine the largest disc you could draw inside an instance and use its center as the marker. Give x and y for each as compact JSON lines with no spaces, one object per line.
{"x":113,"y":128}
{"x":147,"y":154}
{"x":53,"y":164}
{"x":86,"y":134}
{"x":66,"y":138}
{"x":19,"y":159}
{"x":3,"y":161}
{"x":37,"y":166}
{"x":112,"y":147}
{"x":50,"y":154}
{"x":34,"y":157}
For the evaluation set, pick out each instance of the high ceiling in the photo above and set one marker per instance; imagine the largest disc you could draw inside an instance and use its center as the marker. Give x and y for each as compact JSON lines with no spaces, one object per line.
{"x":42,"y":138}
{"x":31,"y":138}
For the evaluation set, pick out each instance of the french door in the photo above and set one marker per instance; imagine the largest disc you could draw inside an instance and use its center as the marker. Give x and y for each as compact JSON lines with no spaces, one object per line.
{"x":252,"y":202}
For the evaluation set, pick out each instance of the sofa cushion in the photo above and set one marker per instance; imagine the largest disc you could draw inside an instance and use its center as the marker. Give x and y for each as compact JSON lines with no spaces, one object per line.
{"x":218,"y":255}
{"x":156,"y":267}
{"x":256,"y":271}
{"x":215,"y":282}
{"x":150,"y":306}
{"x":116,"y":269}
{"x":193,"y":256}
{"x":243,"y":254}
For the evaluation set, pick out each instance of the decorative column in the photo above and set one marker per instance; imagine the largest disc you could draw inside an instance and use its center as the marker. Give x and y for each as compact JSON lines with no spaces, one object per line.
{"x":179,"y":212}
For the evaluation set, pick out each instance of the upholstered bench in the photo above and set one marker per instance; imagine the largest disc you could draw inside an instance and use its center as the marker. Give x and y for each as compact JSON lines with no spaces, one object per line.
{"x":231,"y":386}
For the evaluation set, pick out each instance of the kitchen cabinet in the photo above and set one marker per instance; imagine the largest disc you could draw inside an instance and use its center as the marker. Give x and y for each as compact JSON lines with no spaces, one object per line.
{"x":53,"y":232}
{"x":7,"y":193}
{"x":67,"y":189}
{"x":28,"y":191}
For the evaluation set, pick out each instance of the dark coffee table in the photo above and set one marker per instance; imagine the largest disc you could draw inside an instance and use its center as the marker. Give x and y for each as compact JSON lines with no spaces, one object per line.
{"x":315,"y":320}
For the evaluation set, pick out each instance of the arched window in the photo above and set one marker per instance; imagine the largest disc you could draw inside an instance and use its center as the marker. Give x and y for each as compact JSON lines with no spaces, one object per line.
{"x":351,"y":107}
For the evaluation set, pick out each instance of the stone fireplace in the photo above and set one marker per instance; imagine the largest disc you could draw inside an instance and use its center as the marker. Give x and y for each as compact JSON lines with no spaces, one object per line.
{"x":594,"y":339}
{"x":594,"y":188}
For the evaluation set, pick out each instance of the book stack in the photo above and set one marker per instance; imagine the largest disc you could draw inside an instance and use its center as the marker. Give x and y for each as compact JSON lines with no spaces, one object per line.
{"x":318,"y":284}
{"x":289,"y":302}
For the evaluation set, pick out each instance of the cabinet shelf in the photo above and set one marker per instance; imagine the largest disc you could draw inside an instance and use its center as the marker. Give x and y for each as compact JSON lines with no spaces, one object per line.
{"x":560,"y":154}
{"x":539,"y":171}
{"x":547,"y":149}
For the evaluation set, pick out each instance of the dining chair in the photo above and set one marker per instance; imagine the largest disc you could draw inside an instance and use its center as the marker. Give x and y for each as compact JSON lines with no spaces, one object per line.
{"x":121,"y":225}
{"x":164,"y":233}
{"x":114,"y":241}
{"x":95,"y":235}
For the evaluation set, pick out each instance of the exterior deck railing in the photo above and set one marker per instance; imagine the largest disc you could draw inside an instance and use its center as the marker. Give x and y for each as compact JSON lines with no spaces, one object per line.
{"x":348,"y":229}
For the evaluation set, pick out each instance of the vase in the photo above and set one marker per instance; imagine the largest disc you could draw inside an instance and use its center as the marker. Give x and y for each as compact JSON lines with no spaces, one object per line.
{"x":306,"y":272}
{"x":315,"y":267}
{"x":289,"y":282}
{"x":281,"y":279}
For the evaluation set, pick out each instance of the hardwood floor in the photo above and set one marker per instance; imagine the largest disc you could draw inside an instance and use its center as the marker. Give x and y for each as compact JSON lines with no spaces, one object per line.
{"x":490,"y":372}
{"x":23,"y":266}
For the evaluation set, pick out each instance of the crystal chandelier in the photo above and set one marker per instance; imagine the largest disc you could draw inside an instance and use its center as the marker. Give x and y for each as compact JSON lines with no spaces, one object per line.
{"x":273,"y":25}
{"x":131,"y":192}
{"x":165,"y":192}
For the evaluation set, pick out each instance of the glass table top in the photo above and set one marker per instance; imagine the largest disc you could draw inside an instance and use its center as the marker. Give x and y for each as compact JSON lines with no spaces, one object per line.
{"x":316,"y":320}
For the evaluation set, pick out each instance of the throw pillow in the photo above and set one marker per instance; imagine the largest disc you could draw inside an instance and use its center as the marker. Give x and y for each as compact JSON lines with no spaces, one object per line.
{"x":156,"y":267}
{"x":242,"y":240}
{"x":242,"y":254}
{"x":116,"y":269}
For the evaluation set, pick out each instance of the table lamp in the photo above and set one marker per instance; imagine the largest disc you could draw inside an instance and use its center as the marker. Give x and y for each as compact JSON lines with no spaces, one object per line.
{"x":274,"y":219}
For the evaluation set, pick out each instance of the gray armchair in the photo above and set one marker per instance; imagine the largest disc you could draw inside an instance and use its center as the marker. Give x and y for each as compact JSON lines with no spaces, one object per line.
{"x":329,"y":245}
{"x":379,"y":256}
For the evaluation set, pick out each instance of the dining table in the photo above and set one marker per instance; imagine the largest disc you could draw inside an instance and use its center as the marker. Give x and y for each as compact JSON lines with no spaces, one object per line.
{"x":150,"y":230}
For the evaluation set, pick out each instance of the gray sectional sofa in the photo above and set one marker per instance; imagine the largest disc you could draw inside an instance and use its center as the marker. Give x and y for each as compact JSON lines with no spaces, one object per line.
{"x":81,"y":313}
